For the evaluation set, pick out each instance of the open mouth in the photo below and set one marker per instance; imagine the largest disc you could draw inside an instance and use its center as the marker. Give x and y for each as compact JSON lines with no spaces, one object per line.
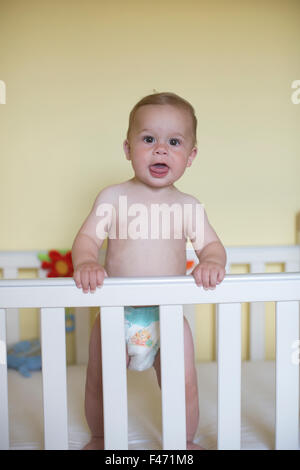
{"x":159,"y":170}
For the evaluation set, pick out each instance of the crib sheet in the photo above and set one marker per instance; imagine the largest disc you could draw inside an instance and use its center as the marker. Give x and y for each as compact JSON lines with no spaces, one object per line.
{"x":144,"y":408}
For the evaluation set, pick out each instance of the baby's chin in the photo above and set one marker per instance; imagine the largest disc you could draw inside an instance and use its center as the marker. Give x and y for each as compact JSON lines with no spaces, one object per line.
{"x":155,"y":182}
{"x":161,"y":183}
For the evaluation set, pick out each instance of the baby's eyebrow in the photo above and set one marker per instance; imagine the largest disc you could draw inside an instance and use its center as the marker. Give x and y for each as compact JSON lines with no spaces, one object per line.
{"x":145,"y":130}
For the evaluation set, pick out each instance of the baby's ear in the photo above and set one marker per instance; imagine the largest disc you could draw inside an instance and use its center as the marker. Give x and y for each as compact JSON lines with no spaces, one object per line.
{"x":192,"y":156}
{"x":126,"y":148}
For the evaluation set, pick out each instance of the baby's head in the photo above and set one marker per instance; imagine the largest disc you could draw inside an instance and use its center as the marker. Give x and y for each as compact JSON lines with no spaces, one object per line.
{"x":161,"y":138}
{"x":170,"y":99}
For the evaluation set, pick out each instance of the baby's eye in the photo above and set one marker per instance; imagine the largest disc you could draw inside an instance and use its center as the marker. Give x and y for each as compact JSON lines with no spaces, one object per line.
{"x":148,"y":139}
{"x":174,"y":142}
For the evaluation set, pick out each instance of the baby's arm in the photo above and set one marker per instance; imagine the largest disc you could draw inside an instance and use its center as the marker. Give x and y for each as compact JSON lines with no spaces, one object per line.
{"x":211,"y":254}
{"x":88,"y":273}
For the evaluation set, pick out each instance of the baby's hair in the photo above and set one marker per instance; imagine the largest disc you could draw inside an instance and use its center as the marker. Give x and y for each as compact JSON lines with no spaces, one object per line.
{"x":165,"y":98}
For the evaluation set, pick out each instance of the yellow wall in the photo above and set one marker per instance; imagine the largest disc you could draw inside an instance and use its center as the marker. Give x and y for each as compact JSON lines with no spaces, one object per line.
{"x":74,"y":69}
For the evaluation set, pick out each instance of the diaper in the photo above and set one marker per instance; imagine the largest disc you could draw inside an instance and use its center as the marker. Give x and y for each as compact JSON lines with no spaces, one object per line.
{"x":142,"y":336}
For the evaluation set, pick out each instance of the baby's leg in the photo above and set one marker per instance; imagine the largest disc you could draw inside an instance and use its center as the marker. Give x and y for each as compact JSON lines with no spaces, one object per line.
{"x":93,"y":390}
{"x":191,"y":387}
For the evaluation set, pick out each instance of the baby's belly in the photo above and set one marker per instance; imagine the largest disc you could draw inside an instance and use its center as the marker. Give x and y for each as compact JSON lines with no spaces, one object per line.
{"x":145,"y":258}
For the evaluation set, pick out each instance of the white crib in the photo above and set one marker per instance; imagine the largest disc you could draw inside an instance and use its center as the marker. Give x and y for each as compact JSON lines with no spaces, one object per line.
{"x":171,"y":293}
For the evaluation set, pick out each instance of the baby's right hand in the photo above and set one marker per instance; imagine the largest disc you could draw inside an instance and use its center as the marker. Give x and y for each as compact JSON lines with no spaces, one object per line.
{"x":88,"y":276}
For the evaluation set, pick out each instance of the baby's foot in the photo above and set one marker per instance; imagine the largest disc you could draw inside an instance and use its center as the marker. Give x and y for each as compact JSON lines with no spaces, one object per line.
{"x":192,"y":446}
{"x":96,"y":443}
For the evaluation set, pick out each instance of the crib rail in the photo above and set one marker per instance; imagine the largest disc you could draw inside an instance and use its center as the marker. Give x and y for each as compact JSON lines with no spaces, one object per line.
{"x":52,"y":295}
{"x":256,"y":257}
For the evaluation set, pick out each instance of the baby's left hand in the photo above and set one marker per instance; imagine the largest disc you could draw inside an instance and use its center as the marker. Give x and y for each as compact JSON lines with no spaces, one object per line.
{"x":208,"y":274}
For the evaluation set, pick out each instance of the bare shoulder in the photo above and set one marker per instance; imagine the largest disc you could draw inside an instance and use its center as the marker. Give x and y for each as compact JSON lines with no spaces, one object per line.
{"x":111,"y":193}
{"x":185,"y":198}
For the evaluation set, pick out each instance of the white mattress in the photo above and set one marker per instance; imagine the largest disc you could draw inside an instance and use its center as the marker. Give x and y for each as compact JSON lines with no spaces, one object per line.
{"x":144,"y":408}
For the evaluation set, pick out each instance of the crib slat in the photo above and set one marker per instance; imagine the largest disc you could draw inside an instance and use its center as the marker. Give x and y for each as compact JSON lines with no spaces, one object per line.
{"x":53,"y":341}
{"x":10,"y":272}
{"x":13,"y":325}
{"x":12,"y":318}
{"x":292,"y":266}
{"x":257,"y":320}
{"x":114,"y":378}
{"x":172,"y":377}
{"x":4,"y":424}
{"x":229,"y":376}
{"x":287,"y":376}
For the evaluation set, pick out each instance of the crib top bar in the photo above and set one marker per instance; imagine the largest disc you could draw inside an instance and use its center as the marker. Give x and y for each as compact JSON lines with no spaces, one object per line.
{"x":149,"y":280}
{"x":168,"y":290}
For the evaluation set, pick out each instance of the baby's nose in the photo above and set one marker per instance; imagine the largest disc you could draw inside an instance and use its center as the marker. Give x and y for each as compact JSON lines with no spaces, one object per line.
{"x":161,"y":149}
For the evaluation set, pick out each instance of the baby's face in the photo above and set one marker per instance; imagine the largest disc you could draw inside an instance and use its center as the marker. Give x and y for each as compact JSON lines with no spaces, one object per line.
{"x":160,"y":145}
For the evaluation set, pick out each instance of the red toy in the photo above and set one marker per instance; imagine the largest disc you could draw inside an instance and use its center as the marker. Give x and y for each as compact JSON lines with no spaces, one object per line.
{"x":58,"y":263}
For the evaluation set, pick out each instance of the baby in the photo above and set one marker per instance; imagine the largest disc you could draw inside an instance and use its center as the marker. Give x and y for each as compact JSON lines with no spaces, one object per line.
{"x":161,"y":144}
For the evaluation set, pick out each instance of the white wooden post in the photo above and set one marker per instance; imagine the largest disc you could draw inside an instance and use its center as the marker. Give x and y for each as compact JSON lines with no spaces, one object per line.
{"x":292,"y":266}
{"x":298,"y":228}
{"x":287,"y":376}
{"x":172,"y":377}
{"x":4,"y":424}
{"x":12,"y":314}
{"x":229,"y":376}
{"x":114,"y":378}
{"x":257,"y":320}
{"x":53,"y":341}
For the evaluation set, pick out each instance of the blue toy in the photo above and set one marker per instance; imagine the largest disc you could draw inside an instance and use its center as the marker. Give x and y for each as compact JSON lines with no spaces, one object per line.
{"x":25,"y":356}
